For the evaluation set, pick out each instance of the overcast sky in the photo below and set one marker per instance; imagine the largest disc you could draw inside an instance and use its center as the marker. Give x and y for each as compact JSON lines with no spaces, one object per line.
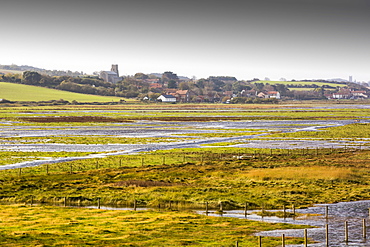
{"x":294,"y":39}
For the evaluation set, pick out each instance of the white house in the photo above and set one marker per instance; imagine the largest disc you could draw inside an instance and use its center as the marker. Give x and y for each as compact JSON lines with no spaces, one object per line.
{"x":167,"y":98}
{"x":273,"y":95}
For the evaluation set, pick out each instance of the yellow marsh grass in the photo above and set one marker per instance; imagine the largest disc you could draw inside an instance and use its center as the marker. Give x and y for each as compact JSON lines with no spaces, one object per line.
{"x":299,"y":173}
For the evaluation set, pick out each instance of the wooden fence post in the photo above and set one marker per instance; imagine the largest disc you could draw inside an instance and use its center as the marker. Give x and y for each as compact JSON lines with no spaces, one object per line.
{"x":260,"y":241}
{"x":346,"y":231}
{"x":364,"y":228}
{"x":327,"y":234}
{"x":206,"y":208}
{"x":135,"y":204}
{"x":283,"y":240}
{"x":98,"y":203}
{"x":142,"y":161}
{"x":245,"y":210}
{"x":305,"y":238}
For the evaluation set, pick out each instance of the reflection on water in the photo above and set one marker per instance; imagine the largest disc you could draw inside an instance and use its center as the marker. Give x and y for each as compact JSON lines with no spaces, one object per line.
{"x":352,"y":212}
{"x":338,"y":213}
{"x":165,"y":129}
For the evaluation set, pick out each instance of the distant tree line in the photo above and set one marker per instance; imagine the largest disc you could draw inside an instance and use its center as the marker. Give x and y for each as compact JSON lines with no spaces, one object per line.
{"x":211,"y":89}
{"x":42,"y":71}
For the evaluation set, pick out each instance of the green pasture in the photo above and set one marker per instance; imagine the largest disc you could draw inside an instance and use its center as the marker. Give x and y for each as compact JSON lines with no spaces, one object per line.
{"x":6,"y":71}
{"x":19,"y":92}
{"x":307,"y":83}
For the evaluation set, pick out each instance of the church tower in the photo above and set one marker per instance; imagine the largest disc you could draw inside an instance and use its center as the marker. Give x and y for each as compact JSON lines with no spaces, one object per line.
{"x":115,"y":69}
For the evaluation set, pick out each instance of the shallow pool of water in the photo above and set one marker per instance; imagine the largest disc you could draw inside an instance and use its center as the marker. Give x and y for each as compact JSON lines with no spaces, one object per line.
{"x":338,"y":213}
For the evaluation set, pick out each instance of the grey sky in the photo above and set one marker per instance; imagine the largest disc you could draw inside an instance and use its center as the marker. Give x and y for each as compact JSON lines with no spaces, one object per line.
{"x":295,"y":39}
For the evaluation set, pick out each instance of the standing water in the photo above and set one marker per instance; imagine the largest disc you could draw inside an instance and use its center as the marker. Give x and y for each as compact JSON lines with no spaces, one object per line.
{"x":352,"y":212}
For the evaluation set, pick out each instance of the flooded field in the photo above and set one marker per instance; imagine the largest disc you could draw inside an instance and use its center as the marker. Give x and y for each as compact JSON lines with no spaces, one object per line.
{"x":351,"y":212}
{"x":169,"y":135}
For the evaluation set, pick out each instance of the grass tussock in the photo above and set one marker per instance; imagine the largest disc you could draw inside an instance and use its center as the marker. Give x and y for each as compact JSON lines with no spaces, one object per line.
{"x":141,"y":183}
{"x":302,"y":173}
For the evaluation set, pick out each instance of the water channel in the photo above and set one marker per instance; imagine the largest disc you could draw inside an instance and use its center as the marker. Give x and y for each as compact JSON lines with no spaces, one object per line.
{"x":177,"y":132}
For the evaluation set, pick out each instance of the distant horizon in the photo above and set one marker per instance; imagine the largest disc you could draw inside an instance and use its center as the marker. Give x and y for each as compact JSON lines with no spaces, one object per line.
{"x":190,"y":77}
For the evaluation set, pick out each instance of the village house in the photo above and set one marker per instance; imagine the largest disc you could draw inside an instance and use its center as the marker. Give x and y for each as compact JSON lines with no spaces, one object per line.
{"x":184,"y":95}
{"x":342,"y":94}
{"x":248,"y":93}
{"x":261,"y":95}
{"x":269,"y":95}
{"x":359,"y":94}
{"x":273,"y":95}
{"x":155,"y":86}
{"x":167,"y":98}
{"x":215,"y":97}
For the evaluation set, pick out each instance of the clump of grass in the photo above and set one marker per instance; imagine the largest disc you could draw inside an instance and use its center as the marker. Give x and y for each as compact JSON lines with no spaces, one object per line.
{"x":141,"y":183}
{"x":302,"y":173}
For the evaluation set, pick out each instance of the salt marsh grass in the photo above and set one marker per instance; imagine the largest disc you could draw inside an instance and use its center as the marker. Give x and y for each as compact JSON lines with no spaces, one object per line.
{"x":308,"y":173}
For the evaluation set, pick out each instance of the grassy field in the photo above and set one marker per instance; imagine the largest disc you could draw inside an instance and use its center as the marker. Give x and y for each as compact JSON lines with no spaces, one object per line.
{"x":302,"y":83}
{"x":195,"y":176}
{"x":19,"y":92}
{"x":58,"y":226}
{"x":6,"y":71}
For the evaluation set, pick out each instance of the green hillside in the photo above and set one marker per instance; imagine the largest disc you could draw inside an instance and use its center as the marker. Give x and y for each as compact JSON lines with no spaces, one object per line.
{"x":307,"y":83}
{"x":19,"y":92}
{"x":302,"y":85}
